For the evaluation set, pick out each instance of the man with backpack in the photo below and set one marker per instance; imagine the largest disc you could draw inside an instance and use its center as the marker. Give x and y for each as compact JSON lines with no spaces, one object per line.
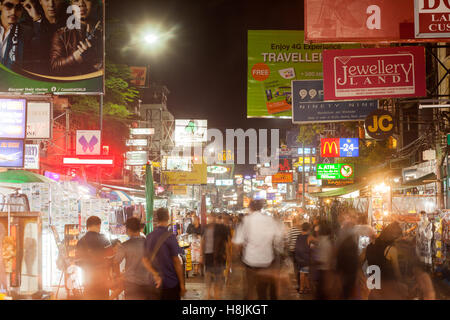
{"x":162,"y":261}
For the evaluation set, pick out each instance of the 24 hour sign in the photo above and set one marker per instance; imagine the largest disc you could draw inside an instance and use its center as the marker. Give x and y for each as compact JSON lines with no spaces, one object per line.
{"x":374,"y":73}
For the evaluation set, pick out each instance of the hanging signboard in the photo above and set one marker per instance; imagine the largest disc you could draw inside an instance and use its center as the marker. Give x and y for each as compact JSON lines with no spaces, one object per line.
{"x":11,"y":153}
{"x":31,"y":157}
{"x":336,"y":183}
{"x":142,"y":131}
{"x":217,"y":169}
{"x":138,"y":76}
{"x":224,"y":182}
{"x":432,"y":19}
{"x":136,"y":158}
{"x":210,"y":180}
{"x":88,"y":142}
{"x":189,"y":132}
{"x":13,"y":118}
{"x":196,"y":176}
{"x":283,"y":177}
{"x":379,"y":124}
{"x":374,"y":73}
{"x":335,"y":171}
{"x":359,"y":21}
{"x":39,"y":118}
{"x":137,"y":142}
{"x":285,"y":164}
{"x":339,"y":147}
{"x":179,"y":190}
{"x":308,"y":105}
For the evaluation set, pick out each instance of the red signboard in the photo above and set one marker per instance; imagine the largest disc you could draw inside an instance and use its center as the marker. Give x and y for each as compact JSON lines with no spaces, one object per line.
{"x":374,"y":73}
{"x":432,"y":18}
{"x":285,"y":164}
{"x":329,"y":148}
{"x":359,"y":20}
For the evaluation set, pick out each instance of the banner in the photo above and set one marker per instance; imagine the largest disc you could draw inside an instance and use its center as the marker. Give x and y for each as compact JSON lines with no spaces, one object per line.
{"x":50,"y":50}
{"x":31,"y":156}
{"x":335,"y":171}
{"x":196,"y":176}
{"x":138,"y":76}
{"x":13,"y":118}
{"x":374,"y":73}
{"x":359,"y":20}
{"x":432,"y":19}
{"x":337,"y":183}
{"x":88,"y":142}
{"x":11,"y":153}
{"x":275,"y":58}
{"x":308,"y":105}
{"x":39,"y":120}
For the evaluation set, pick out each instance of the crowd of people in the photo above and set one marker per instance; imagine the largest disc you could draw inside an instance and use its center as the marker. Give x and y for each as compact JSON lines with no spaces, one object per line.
{"x":343,"y":259}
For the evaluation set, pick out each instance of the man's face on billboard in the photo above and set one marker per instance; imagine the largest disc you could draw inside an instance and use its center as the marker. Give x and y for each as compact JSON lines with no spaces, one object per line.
{"x":85,"y":7}
{"x":11,"y":11}
{"x":51,"y":8}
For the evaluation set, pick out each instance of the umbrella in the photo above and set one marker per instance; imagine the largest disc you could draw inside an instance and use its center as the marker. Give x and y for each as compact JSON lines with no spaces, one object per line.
{"x":149,"y":195}
{"x":22,"y":176}
{"x":203,"y":211}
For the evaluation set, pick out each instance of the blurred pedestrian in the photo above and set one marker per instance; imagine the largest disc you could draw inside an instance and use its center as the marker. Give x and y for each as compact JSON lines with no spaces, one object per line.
{"x":162,"y":260}
{"x":136,"y":276}
{"x":195,"y":233}
{"x":423,"y":288}
{"x":324,"y":260}
{"x":303,"y":257}
{"x":261,"y":238}
{"x":291,"y":239}
{"x":93,"y":255}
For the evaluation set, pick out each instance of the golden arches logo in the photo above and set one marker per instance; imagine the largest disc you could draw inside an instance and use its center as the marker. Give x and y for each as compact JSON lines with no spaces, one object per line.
{"x":330,"y":147}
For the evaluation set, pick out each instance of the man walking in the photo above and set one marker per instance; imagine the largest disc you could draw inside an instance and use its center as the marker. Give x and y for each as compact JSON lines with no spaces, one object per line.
{"x":162,"y":261}
{"x":136,"y":276}
{"x":261,"y":238}
{"x":92,"y":255}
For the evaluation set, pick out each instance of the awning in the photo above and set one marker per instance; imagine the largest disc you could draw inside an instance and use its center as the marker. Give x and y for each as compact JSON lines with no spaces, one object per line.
{"x":426,"y":179}
{"x":120,"y":196}
{"x":340,"y":191}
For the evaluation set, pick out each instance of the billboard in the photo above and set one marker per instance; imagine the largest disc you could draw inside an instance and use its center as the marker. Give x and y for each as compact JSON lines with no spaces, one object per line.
{"x":142,"y":131}
{"x":137,"y":142}
{"x":88,"y":142}
{"x":11,"y":153}
{"x":13,"y":118}
{"x":196,"y":176}
{"x":176,"y":163}
{"x":359,"y":21}
{"x":136,"y":158}
{"x":335,"y":171}
{"x":188,"y":132}
{"x":308,"y":105}
{"x":339,"y":147}
{"x":62,"y":52}
{"x":39,"y":118}
{"x":275,"y":58}
{"x":374,"y":73}
{"x":283,"y":177}
{"x":31,"y":157}
{"x":336,"y":183}
{"x":431,"y":18}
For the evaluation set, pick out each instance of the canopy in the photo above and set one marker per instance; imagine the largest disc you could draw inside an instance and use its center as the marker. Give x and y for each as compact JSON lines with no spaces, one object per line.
{"x":426,"y":179}
{"x":340,"y":191}
{"x":121,"y":196}
{"x":23,"y":176}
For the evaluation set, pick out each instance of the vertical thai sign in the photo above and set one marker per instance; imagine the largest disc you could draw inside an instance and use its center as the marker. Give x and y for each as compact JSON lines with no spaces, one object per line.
{"x":374,"y":73}
{"x":432,"y":18}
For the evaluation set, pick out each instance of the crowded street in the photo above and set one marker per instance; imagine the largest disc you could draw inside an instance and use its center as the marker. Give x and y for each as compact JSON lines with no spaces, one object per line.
{"x":211,"y":151}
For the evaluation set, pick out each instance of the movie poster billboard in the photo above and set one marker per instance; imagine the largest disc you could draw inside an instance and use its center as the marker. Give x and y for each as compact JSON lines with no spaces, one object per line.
{"x":275,"y":58}
{"x":53,"y":47}
{"x":374,"y":73}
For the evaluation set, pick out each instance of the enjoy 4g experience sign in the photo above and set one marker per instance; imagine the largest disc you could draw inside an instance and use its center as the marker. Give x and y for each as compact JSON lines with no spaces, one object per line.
{"x":374,"y":73}
{"x":335,"y":171}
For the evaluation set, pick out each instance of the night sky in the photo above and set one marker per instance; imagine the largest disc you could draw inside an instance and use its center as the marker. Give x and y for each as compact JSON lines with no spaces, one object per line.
{"x":205,"y":64}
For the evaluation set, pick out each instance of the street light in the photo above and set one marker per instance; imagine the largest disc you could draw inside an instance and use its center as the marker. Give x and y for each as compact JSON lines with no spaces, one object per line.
{"x":151,"y":38}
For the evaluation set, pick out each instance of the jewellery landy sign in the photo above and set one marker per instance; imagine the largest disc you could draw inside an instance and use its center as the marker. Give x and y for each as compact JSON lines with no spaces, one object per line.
{"x":374,"y":73}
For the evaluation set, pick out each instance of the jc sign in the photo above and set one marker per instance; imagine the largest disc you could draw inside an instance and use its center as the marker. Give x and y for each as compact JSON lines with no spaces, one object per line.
{"x":379,"y":124}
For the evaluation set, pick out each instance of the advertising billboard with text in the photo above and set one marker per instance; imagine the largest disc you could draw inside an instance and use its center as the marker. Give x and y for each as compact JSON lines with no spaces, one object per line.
{"x":53,"y":47}
{"x":432,"y":18}
{"x":374,"y":73}
{"x":13,"y":118}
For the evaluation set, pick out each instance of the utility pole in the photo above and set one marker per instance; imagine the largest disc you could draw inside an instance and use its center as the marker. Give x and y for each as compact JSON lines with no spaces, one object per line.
{"x":303,"y":176}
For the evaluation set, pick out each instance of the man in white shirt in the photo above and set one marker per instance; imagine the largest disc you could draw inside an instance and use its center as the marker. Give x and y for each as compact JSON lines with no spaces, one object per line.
{"x":261,"y":238}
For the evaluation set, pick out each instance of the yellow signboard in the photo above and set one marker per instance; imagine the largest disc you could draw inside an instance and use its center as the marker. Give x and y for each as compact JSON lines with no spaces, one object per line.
{"x":179,"y":190}
{"x":196,"y":176}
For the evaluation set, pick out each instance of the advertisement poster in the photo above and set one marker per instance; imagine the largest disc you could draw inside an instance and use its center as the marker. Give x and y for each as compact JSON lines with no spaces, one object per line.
{"x":88,"y":142}
{"x":374,"y":73}
{"x":308,"y":105}
{"x":13,"y":118}
{"x":275,"y":58}
{"x":196,"y":176}
{"x":138,"y":76}
{"x":43,"y":53}
{"x":432,"y":19}
{"x":11,"y":153}
{"x":32,"y":156}
{"x":283,"y":177}
{"x":359,"y":20}
{"x":188,"y":132}
{"x":339,"y":147}
{"x":335,"y":171}
{"x":38,"y":120}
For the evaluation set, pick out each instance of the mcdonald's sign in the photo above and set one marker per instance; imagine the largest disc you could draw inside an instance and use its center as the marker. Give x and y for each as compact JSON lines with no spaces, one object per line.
{"x":329,"y":148}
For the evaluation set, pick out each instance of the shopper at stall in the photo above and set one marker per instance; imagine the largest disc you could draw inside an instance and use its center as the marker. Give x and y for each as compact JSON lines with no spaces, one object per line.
{"x":260,"y":238}
{"x":162,"y":260}
{"x":93,"y":255}
{"x":136,"y":276}
{"x":195,"y":233}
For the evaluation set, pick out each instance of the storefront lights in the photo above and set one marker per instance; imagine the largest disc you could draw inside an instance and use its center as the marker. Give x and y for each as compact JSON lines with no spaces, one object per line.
{"x":381,"y":188}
